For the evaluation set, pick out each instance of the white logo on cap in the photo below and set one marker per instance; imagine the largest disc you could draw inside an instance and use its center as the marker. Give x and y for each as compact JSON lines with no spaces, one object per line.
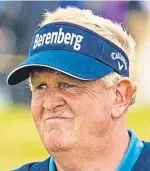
{"x":120,"y":66}
{"x":119,"y":56}
{"x":58,"y":38}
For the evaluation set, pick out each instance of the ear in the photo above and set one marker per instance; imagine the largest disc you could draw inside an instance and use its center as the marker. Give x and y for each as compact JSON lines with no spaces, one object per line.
{"x":123,"y":96}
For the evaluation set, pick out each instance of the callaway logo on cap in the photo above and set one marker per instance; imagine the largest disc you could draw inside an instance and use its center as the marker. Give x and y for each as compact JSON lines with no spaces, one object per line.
{"x":121,"y":60}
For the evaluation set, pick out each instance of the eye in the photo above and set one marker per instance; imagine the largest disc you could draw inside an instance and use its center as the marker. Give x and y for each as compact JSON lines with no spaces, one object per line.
{"x":41,"y":86}
{"x":64,"y":85}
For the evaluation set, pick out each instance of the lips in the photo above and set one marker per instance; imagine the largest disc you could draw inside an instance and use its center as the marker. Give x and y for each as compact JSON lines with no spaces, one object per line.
{"x":57,"y":120}
{"x":57,"y":115}
{"x":53,"y":118}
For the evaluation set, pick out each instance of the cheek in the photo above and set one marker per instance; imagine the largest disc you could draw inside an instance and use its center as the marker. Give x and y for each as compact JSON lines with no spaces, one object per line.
{"x":37,"y":106}
{"x":93,"y":114}
{"x":103,"y":107}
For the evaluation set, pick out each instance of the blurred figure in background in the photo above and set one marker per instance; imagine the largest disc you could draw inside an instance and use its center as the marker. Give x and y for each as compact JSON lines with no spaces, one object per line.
{"x":114,"y":10}
{"x":18,"y":21}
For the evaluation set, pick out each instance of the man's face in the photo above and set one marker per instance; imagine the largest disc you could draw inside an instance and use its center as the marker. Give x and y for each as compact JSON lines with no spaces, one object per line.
{"x":69,"y":113}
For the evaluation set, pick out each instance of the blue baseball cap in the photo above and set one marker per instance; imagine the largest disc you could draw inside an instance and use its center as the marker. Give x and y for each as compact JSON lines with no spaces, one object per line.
{"x":73,"y":50}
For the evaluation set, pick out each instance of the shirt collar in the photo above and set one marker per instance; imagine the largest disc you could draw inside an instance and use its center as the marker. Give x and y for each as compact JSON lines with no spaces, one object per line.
{"x":52,"y":166}
{"x":133,"y":152}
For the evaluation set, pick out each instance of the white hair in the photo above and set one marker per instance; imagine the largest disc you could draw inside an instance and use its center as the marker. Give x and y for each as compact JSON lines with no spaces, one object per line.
{"x":104,"y":27}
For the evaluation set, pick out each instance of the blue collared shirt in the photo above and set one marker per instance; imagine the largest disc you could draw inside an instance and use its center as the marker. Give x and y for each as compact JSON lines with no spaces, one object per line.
{"x":133,"y":152}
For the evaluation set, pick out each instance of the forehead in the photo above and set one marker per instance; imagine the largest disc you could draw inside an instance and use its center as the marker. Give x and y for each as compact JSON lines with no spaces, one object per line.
{"x":51,"y":75}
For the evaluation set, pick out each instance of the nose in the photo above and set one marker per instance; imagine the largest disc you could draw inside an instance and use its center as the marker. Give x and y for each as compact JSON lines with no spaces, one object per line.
{"x":53,"y":99}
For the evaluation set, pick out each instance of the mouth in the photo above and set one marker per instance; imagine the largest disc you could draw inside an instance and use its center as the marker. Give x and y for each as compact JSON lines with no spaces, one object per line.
{"x":58,"y":116}
{"x":55,"y":118}
{"x":51,"y":119}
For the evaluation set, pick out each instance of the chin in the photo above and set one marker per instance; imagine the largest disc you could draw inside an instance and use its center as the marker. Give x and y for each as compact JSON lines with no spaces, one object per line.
{"x":56,"y":141}
{"x":54,"y":147}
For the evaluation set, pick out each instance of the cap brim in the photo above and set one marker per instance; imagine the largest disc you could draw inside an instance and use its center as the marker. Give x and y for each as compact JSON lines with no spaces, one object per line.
{"x":74,"y":64}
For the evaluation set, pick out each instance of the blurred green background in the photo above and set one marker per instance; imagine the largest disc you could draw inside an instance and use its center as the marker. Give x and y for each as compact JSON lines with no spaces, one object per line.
{"x":19,"y":140}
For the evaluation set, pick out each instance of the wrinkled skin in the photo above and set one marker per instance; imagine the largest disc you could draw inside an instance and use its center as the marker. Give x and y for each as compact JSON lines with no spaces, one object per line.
{"x":69,"y":113}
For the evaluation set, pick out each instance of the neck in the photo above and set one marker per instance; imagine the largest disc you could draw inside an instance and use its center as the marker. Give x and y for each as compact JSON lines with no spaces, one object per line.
{"x":104,"y":154}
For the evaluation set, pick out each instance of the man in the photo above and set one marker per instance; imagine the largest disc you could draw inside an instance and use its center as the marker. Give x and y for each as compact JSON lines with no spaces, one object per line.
{"x":78,"y":69}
